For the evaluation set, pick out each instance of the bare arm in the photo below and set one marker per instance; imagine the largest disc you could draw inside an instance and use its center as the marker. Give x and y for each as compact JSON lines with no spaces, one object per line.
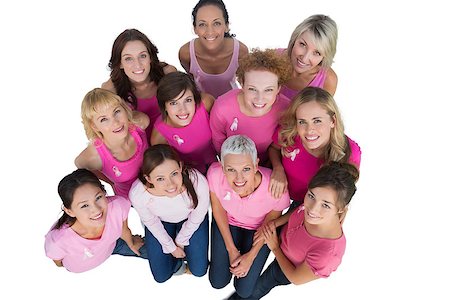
{"x":169,"y":69}
{"x":208,"y":101}
{"x":278,"y":181}
{"x":108,"y":85}
{"x":157,"y":138}
{"x":141,"y":119}
{"x":185,"y":57}
{"x":58,"y":263}
{"x":89,"y":159}
{"x":331,"y":81}
{"x":134,"y":242}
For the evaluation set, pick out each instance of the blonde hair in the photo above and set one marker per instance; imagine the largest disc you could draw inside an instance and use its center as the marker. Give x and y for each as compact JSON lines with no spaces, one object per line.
{"x":324,"y":34}
{"x":337,"y":148}
{"x":92,"y":101}
{"x":265,"y":60}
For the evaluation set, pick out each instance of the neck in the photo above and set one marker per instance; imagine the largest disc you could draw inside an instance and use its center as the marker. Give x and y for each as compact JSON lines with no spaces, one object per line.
{"x":256,"y":183}
{"x":330,"y":230}
{"x":116,"y":145}
{"x":87,"y":232}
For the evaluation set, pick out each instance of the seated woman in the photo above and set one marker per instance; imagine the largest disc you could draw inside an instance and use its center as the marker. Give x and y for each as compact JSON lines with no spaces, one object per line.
{"x":172,"y":202}
{"x":241,"y":205}
{"x":312,"y":243}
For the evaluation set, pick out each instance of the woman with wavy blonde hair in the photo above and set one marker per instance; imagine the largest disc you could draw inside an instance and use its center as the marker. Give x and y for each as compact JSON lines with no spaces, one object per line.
{"x":311,"y":133}
{"x":117,"y":139}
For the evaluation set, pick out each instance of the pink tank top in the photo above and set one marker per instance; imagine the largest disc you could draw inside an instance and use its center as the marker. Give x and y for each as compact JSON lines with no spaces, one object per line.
{"x":318,"y":81}
{"x":123,"y":173}
{"x":193,"y":142}
{"x":150,"y":107}
{"x":215,"y":84}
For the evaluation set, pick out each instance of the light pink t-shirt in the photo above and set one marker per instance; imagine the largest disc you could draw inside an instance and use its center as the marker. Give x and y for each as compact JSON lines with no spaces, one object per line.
{"x":150,"y":107}
{"x":193,"y":142}
{"x":227,"y":119}
{"x":322,"y":255}
{"x":215,"y":84}
{"x":318,"y":81}
{"x":123,"y":173}
{"x":248,"y":212}
{"x":79,"y":254}
{"x":300,"y":166}
{"x":154,"y":209}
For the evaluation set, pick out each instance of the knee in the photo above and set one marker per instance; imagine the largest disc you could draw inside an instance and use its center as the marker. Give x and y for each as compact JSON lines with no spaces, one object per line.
{"x":161,"y":279}
{"x":218,"y":282}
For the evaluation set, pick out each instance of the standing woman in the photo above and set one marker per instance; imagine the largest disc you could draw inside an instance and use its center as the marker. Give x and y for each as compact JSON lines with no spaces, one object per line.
{"x":172,"y":202}
{"x":212,"y":58}
{"x":136,"y":72}
{"x":311,"y":51}
{"x":117,"y":141}
{"x":241,"y":206}
{"x":184,"y":121}
{"x":311,"y":134}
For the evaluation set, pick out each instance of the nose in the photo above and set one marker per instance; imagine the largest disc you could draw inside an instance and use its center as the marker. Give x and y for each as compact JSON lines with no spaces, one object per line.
{"x":239,"y":176}
{"x":306,"y":56}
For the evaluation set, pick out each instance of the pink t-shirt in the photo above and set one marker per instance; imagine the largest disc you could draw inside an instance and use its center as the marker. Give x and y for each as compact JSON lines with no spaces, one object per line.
{"x":123,"y":173}
{"x":150,"y":107}
{"x":227,"y":119}
{"x":248,"y":212}
{"x":300,"y":166}
{"x":79,"y":254}
{"x":154,"y":209}
{"x":215,"y":84}
{"x":193,"y":142}
{"x":322,"y":255}
{"x":318,"y":81}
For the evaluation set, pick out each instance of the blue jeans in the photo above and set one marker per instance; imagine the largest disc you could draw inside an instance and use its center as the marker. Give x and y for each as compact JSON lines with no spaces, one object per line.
{"x":123,"y":249}
{"x":164,"y":265}
{"x":273,"y":276}
{"x":219,"y":270}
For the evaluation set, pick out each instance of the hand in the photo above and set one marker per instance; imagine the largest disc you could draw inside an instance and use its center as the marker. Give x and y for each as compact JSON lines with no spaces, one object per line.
{"x":178,"y":253}
{"x":138,"y":242}
{"x":270,"y":236}
{"x":241,"y":265}
{"x":233,"y":255}
{"x":278,"y":183}
{"x":259,"y":234}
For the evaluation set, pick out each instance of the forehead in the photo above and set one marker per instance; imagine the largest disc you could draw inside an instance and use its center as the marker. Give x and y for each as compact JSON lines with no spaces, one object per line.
{"x":209,"y":12}
{"x":85,"y":192}
{"x":105,"y":107}
{"x":313,"y":41}
{"x":237,"y":160}
{"x":133,"y":47}
{"x":167,"y":167}
{"x":260,"y":77}
{"x":325,"y":193}
{"x":182,"y":95}
{"x":310,"y":110}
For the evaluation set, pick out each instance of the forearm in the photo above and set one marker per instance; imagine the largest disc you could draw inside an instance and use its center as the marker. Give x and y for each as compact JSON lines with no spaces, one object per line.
{"x":280,"y":221}
{"x":126,"y":234}
{"x":275,"y":157}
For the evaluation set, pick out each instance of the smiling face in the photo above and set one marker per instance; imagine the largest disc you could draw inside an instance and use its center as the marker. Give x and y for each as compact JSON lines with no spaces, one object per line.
{"x":181,"y":109}
{"x":321,"y":206}
{"x":166,"y":179}
{"x":314,"y":127}
{"x":240,"y":172}
{"x":305,"y":55}
{"x":89,"y":206}
{"x":111,"y":121}
{"x":135,"y":61}
{"x":210,"y":26}
{"x":260,"y":91}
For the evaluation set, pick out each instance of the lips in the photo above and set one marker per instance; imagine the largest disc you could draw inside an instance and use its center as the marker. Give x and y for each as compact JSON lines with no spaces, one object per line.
{"x":139,"y":72}
{"x":118,"y":129}
{"x":259,"y":106}
{"x":240,"y":184}
{"x":183,"y":117}
{"x":312,"y":138}
{"x":97,"y":217}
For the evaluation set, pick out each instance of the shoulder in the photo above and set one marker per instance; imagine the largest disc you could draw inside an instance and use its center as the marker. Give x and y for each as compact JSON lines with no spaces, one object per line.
{"x":243,"y":50}
{"x":119,"y":203}
{"x":214,"y":170}
{"x":156,"y":137}
{"x":140,"y":119}
{"x":108,"y":85}
{"x":353,"y":145}
{"x":184,"y":53}
{"x":169,"y":69}
{"x":331,"y":81}
{"x":208,"y":101}
{"x":89,"y":159}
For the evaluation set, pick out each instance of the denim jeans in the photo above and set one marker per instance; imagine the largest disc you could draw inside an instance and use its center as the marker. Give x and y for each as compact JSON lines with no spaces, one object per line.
{"x":273,"y":276}
{"x":164,"y":265}
{"x":123,"y":249}
{"x":219,"y":270}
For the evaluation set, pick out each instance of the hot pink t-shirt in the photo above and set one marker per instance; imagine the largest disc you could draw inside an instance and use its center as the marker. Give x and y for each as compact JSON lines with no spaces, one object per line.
{"x":322,"y":255}
{"x":248,"y":212}
{"x":154,"y":209}
{"x":300,"y":166}
{"x":150,"y":107}
{"x":79,"y":254}
{"x":193,"y":142}
{"x":215,"y":84}
{"x":318,"y":81}
{"x":227,"y":119}
{"x":123,"y":173}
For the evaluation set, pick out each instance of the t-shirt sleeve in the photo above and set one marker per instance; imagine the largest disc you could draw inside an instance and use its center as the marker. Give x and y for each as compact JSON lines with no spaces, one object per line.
{"x":52,"y":247}
{"x":355,"y":157}
{"x":283,"y":202}
{"x":275,"y":136}
{"x":213,"y":176}
{"x":323,"y":261}
{"x":123,"y":204}
{"x":217,"y":124}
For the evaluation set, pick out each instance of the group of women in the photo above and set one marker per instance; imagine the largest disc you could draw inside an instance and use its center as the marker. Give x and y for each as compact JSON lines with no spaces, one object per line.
{"x":255,"y":136}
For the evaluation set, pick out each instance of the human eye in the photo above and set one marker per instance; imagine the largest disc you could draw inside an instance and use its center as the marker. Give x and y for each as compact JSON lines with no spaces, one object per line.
{"x":269,"y":90}
{"x":172,"y":103}
{"x":317,"y":53}
{"x":201,"y":25}
{"x":317,"y":121}
{"x":324,"y":205}
{"x":310,"y":196}
{"x":144,"y":55}
{"x":117,"y":111}
{"x":128,"y":59}
{"x":252,"y":89}
{"x":84,"y":206}
{"x":160,"y":179}
{"x":188,"y":100}
{"x":230,"y":170}
{"x":174,"y":174}
{"x":302,"y":44}
{"x":301,"y":122}
{"x":217,"y":23}
{"x":103,"y":120}
{"x":246,"y":169}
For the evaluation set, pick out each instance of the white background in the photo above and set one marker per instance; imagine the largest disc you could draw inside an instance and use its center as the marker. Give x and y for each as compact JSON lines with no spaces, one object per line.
{"x":392,"y":63}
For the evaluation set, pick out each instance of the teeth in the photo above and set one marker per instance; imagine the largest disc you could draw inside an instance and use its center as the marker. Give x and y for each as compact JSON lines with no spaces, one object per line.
{"x":138,"y":72}
{"x":259,"y":105}
{"x":210,"y":39}
{"x":118,"y":130}
{"x":312,"y":216}
{"x":97,"y":217}
{"x":183,"y":117}
{"x":239,"y":183}
{"x":171,"y":191}
{"x":311,"y":138}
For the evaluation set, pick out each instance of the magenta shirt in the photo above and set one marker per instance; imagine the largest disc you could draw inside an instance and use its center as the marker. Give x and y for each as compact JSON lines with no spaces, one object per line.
{"x":150,"y":107}
{"x":227,"y":119}
{"x":193,"y":141}
{"x":300,"y":166}
{"x":318,"y":81}
{"x":215,"y":84}
{"x":248,"y":212}
{"x":322,"y":255}
{"x":123,"y":173}
{"x":79,"y":254}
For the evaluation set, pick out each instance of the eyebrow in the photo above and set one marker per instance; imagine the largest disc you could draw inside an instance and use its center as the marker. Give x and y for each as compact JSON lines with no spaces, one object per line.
{"x":127,"y":54}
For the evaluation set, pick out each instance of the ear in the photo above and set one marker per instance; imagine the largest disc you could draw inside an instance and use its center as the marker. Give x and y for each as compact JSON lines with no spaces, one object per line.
{"x":342,"y":213}
{"x":94,"y":127}
{"x":256,"y":165}
{"x":68,"y":211}
{"x":333,"y":121}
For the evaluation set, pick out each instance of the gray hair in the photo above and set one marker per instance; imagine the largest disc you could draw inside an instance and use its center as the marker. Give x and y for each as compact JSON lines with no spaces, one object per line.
{"x":238,"y":144}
